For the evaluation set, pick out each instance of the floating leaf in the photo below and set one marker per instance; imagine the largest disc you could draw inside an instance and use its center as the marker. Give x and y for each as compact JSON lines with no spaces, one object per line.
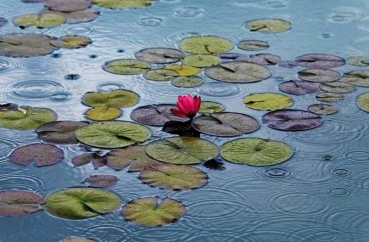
{"x":160,"y":75}
{"x":187,"y":81}
{"x":268,"y":25}
{"x":319,"y":75}
{"x":238,"y":72}
{"x":26,"y":117}
{"x":116,"y":98}
{"x":265,"y":59}
{"x":149,"y":212}
{"x":210,"y":107}
{"x":72,"y":42}
{"x":357,"y":78}
{"x":173,"y":177}
{"x":215,"y":164}
{"x":267,"y":101}
{"x":206,"y":45}
{"x":3,"y":21}
{"x":183,"y":70}
{"x":112,"y":134}
{"x":76,"y":17}
{"x":84,"y":159}
{"x":323,"y":109}
{"x":160,"y":55}
{"x":42,"y":20}
{"x":298,"y":87}
{"x":155,"y":114}
{"x":201,"y":60}
{"x":337,"y":87}
{"x":329,"y":97}
{"x":103,"y":113}
{"x":101,"y":181}
{"x":59,"y":132}
{"x":358,"y":61}
{"x":126,"y":67}
{"x":19,"y":203}
{"x":180,"y":128}
{"x":77,"y":239}
{"x":252,"y":45}
{"x":287,"y":64}
{"x":292,"y":120}
{"x":182,"y":150}
{"x":225,"y":124}
{"x":123,"y":4}
{"x":228,"y":57}
{"x":81,"y":203}
{"x":321,"y":61}
{"x":67,"y":5}
{"x":362,"y":101}
{"x":256,"y":151}
{"x":41,"y":154}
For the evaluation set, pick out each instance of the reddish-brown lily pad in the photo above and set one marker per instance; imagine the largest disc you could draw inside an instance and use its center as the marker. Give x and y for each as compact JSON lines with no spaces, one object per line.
{"x":67,"y":5}
{"x":319,"y":60}
{"x":59,"y":132}
{"x":18,"y":203}
{"x":155,"y":114}
{"x":84,"y":159}
{"x":298,"y":87}
{"x":319,"y":75}
{"x":160,"y":55}
{"x":101,"y":181}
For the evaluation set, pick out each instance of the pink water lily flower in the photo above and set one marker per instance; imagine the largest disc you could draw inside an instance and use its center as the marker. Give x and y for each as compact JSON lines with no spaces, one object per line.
{"x":188,"y":106}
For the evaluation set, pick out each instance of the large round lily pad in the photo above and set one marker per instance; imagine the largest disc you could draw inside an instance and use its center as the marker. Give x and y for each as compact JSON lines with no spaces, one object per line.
{"x":256,"y":151}
{"x":81,"y":203}
{"x":319,"y":75}
{"x":362,"y":101}
{"x":149,"y":212}
{"x":103,"y":113}
{"x":123,"y":4}
{"x":238,"y":72}
{"x":358,"y":78}
{"x":112,"y":134}
{"x":206,"y":45}
{"x":19,"y":203}
{"x":201,"y":60}
{"x":267,"y":101}
{"x":358,"y":61}
{"x":160,"y":75}
{"x":210,"y":107}
{"x":67,"y":5}
{"x":43,"y":20}
{"x":329,"y":97}
{"x":252,"y":45}
{"x":323,"y":109}
{"x":76,"y":17}
{"x":337,"y":87}
{"x":318,"y":60}
{"x":292,"y":120}
{"x":225,"y":124}
{"x":173,"y":177}
{"x":71,"y":42}
{"x":182,"y":150}
{"x":126,"y":66}
{"x":187,"y":81}
{"x":298,"y":87}
{"x":268,"y":25}
{"x":183,"y":70}
{"x":117,"y":98}
{"x":41,"y":154}
{"x":26,"y":117}
{"x":59,"y":132}
{"x":160,"y":55}
{"x":155,"y":114}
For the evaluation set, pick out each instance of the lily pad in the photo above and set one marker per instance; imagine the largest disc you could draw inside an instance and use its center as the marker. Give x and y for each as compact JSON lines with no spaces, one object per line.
{"x":173,"y":177}
{"x":123,"y":4}
{"x":319,"y":75}
{"x":160,"y":55}
{"x":103,"y":113}
{"x":225,"y":124}
{"x":358,"y":61}
{"x":112,"y":134}
{"x":132,"y":156}
{"x":149,"y":212}
{"x":329,"y":97}
{"x":67,"y":5}
{"x":182,"y":150}
{"x":183,"y":70}
{"x":322,"y":109}
{"x":358,"y":78}
{"x":265,"y":59}
{"x":321,"y":61}
{"x":252,"y":45}
{"x":267,"y":101}
{"x":8,"y":107}
{"x":206,"y":45}
{"x":187,"y":81}
{"x":160,"y":75}
{"x":287,"y":64}
{"x":210,"y":107}
{"x":76,"y":17}
{"x":155,"y":114}
{"x":3,"y":21}
{"x":337,"y":87}
{"x":26,"y":117}
{"x":41,"y":154}
{"x":101,"y":181}
{"x":116,"y":98}
{"x":72,"y":42}
{"x":256,"y":151}
{"x":59,"y":132}
{"x":84,"y":159}
{"x":238,"y":72}
{"x":77,"y":239}
{"x":268,"y":25}
{"x":33,"y":1}
{"x":298,"y":87}
{"x":126,"y":66}
{"x":81,"y":203}
{"x":19,"y":203}
{"x":201,"y":60}
{"x":42,"y":20}
{"x":292,"y":120}
{"x":362,"y":101}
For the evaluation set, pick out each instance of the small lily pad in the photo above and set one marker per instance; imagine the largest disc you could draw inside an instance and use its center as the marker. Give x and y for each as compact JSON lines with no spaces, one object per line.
{"x":206,"y":45}
{"x":160,"y":75}
{"x":267,"y":101}
{"x":268,"y":25}
{"x":19,"y":203}
{"x":298,"y":87}
{"x":319,"y":75}
{"x":182,"y":150}
{"x":329,"y":97}
{"x":358,"y":78}
{"x":187,"y":81}
{"x":59,"y":132}
{"x":126,"y":66}
{"x":123,"y":4}
{"x":225,"y":124}
{"x":3,"y":21}
{"x":210,"y":107}
{"x":183,"y":70}
{"x":84,"y":159}
{"x":322,"y":109}
{"x":101,"y":181}
{"x":103,"y":113}
{"x":72,"y":42}
{"x":256,"y":151}
{"x":41,"y":154}
{"x":76,"y":17}
{"x":228,"y":57}
{"x":81,"y":203}
{"x":252,"y":45}
{"x":337,"y":87}
{"x":358,"y":61}
{"x":155,"y":114}
{"x":265,"y":59}
{"x":77,"y":239}
{"x":112,"y":134}
{"x":149,"y":212}
{"x":321,"y":61}
{"x":42,"y":20}
{"x":67,"y":5}
{"x":173,"y":177}
{"x":160,"y":55}
{"x":116,"y":98}
{"x":362,"y":101}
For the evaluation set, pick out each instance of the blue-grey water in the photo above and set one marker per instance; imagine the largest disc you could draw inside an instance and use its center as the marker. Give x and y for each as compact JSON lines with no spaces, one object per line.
{"x":319,"y":195}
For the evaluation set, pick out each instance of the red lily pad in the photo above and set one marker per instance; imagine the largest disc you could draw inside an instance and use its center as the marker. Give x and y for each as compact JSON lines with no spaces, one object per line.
{"x":265,"y":59}
{"x":155,"y":114}
{"x":319,"y":75}
{"x":298,"y":87}
{"x":84,"y":159}
{"x":318,"y":60}
{"x":19,"y":203}
{"x":42,"y":154}
{"x":160,"y":55}
{"x":101,"y":181}
{"x":3,"y":21}
{"x":59,"y":132}
{"x":67,"y":5}
{"x":228,"y":57}
{"x":292,"y":120}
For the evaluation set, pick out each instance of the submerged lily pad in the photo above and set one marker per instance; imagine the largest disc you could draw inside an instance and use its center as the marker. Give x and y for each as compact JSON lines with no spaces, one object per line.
{"x":318,"y":60}
{"x":265,"y":59}
{"x":149,"y":212}
{"x":41,"y":154}
{"x":19,"y":203}
{"x":358,"y":78}
{"x":160,"y":55}
{"x":123,"y":4}
{"x":182,"y":150}
{"x":268,"y":25}
{"x":267,"y":101}
{"x":67,"y":5}
{"x":362,"y":101}
{"x":101,"y":181}
{"x":187,"y":81}
{"x":59,"y":132}
{"x":173,"y":177}
{"x":42,"y":20}
{"x":112,"y":134}
{"x":3,"y":21}
{"x":358,"y":61}
{"x":103,"y":113}
{"x":238,"y":72}
{"x":160,"y":75}
{"x":72,"y":42}
{"x":84,"y":159}
{"x":183,"y":70}
{"x":225,"y":124}
{"x":116,"y":98}
{"x":329,"y":97}
{"x":256,"y":151}
{"x":292,"y":120}
{"x":337,"y":87}
{"x":298,"y":87}
{"x":81,"y":203}
{"x":253,"y":45}
{"x":155,"y":114}
{"x":76,"y":17}
{"x":206,"y":45}
{"x":319,"y":75}
{"x":210,"y":107}
{"x":126,"y":66}
{"x":322,"y":109}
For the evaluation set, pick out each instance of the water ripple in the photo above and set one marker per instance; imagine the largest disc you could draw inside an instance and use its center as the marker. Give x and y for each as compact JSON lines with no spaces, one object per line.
{"x":349,"y":220}
{"x":150,"y":21}
{"x":36,"y":89}
{"x":219,"y":89}
{"x":189,"y":12}
{"x":8,"y":65}
{"x":109,"y":232}
{"x":345,"y":15}
{"x":21,"y":181}
{"x":109,"y":86}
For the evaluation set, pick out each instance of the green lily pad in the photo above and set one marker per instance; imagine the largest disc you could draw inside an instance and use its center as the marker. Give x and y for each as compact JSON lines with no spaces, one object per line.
{"x":253,"y":45}
{"x":206,"y":45}
{"x":123,"y":4}
{"x":76,"y":17}
{"x":26,"y":117}
{"x":267,"y":101}
{"x":160,"y":55}
{"x":183,"y":70}
{"x":42,"y":20}
{"x":329,"y":97}
{"x":337,"y":87}
{"x":19,"y":203}
{"x":149,"y":212}
{"x":201,"y":60}
{"x":358,"y":78}
{"x":173,"y":177}
{"x":117,"y":98}
{"x":182,"y":150}
{"x":112,"y":134}
{"x":210,"y":107}
{"x":81,"y":203}
{"x":256,"y":151}
{"x":71,"y":42}
{"x":155,"y":114}
{"x":187,"y":81}
{"x":126,"y":67}
{"x":323,"y":109}
{"x":103,"y":113}
{"x":358,"y":61}
{"x":319,"y":75}
{"x":362,"y":101}
{"x":59,"y":132}
{"x":67,"y":5}
{"x":268,"y":25}
{"x":160,"y":75}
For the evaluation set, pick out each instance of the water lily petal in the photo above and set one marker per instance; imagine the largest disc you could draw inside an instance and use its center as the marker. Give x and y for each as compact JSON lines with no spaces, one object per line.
{"x":197,"y":101}
{"x":183,"y":108}
{"x":177,"y":113}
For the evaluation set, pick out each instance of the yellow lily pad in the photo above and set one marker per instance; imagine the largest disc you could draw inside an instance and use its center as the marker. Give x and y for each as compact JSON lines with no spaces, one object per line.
{"x":362,"y":101}
{"x":206,"y":45}
{"x":43,"y":20}
{"x":268,"y":25}
{"x":201,"y":60}
{"x":184,"y":70}
{"x":117,"y":98}
{"x":126,"y":67}
{"x":72,"y":42}
{"x":123,"y":4}
{"x":103,"y":113}
{"x":267,"y":101}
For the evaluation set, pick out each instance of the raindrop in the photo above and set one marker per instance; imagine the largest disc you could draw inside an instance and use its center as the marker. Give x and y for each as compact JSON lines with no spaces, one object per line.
{"x":72,"y":77}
